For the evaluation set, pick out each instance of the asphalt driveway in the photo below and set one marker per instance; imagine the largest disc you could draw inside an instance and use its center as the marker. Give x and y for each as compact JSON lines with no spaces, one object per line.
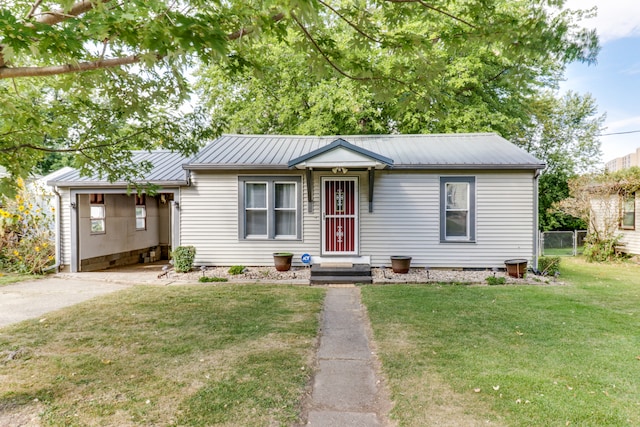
{"x":32,"y":299}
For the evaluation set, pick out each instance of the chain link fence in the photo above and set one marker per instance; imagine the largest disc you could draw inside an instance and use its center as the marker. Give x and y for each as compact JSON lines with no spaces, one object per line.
{"x":562,"y":243}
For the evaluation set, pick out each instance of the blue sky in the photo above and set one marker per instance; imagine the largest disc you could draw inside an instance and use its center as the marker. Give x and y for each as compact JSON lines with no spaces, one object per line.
{"x":615,"y":80}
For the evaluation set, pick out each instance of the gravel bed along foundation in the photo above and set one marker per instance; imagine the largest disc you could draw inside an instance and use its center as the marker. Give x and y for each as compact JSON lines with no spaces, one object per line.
{"x":380,"y":276}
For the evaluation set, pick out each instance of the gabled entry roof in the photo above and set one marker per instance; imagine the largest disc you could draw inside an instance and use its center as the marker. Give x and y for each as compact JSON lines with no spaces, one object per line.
{"x":342,"y":154}
{"x":432,"y":151}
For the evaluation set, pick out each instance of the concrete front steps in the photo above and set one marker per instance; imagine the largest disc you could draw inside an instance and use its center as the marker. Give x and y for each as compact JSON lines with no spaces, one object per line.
{"x":340,"y":273}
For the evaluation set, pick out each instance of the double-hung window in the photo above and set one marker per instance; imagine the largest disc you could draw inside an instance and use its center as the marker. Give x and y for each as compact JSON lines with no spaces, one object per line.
{"x":628,"y":212}
{"x":457,"y":209}
{"x":270,"y":208}
{"x":97,"y":213}
{"x":141,"y":212}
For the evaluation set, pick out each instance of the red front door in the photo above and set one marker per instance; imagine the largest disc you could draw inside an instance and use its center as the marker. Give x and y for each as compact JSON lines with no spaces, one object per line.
{"x":340,"y":214}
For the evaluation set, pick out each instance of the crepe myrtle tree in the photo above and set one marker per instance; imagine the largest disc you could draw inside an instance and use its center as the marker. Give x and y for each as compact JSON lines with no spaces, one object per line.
{"x":98,"y":78}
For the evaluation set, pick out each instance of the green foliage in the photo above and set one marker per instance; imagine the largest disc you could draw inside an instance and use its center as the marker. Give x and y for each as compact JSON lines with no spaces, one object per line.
{"x":553,"y":187}
{"x":564,"y":132}
{"x":290,"y":66}
{"x":26,"y":237}
{"x":600,"y":249}
{"x":183,"y":257}
{"x":493,"y":280}
{"x":234,"y":270}
{"x":549,"y":265}
{"x":205,"y":279}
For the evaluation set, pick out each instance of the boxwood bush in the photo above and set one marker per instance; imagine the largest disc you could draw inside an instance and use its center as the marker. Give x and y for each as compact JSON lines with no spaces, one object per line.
{"x":183,"y":257}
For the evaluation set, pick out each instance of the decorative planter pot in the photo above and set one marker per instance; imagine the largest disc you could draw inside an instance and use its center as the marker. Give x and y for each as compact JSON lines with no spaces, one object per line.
{"x":400,"y":264}
{"x":516,"y":267}
{"x":282,"y":260}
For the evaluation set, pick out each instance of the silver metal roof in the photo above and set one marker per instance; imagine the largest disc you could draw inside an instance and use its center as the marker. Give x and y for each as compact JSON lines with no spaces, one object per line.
{"x":433,"y":151}
{"x":167,"y":170}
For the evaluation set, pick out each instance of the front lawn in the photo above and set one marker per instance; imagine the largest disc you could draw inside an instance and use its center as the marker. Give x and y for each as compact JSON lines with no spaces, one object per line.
{"x":559,"y":355}
{"x":189,"y":356}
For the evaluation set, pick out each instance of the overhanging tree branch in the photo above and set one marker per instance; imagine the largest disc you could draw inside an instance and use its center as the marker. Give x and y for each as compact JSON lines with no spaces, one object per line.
{"x":351,"y":24}
{"x":56,"y":16}
{"x":333,"y":64}
{"x":435,"y":9}
{"x":11,"y":72}
{"x":244,"y":31}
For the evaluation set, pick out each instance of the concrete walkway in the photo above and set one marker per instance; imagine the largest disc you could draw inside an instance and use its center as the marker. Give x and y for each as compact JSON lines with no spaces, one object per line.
{"x":32,"y":299}
{"x":346,"y":388}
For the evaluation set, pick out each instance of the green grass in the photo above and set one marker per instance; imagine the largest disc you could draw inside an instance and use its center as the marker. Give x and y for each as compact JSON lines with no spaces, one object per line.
{"x":557,"y":252}
{"x":189,"y":356}
{"x":516,"y":355}
{"x":8,"y":278}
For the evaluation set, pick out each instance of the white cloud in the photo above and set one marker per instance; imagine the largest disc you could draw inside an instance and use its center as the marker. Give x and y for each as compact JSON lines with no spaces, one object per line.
{"x":616,"y":19}
{"x":625,"y":124}
{"x":632,"y":70}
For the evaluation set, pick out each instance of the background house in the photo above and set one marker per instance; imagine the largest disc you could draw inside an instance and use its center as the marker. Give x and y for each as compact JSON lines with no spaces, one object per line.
{"x":454,"y":200}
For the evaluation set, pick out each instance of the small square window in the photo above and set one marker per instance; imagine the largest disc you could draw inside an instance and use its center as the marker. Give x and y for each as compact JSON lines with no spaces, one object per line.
{"x":457,"y":209}
{"x":141,"y":212}
{"x":98,"y":224}
{"x":628,"y":213}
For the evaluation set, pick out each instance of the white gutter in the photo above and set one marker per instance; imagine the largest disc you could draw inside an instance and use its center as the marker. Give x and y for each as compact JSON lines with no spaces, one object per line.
{"x":58,"y":256}
{"x":536,"y":219}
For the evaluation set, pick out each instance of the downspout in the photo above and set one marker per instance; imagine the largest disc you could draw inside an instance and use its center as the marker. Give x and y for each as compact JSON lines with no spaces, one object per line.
{"x":58,"y":256}
{"x":536,"y":239}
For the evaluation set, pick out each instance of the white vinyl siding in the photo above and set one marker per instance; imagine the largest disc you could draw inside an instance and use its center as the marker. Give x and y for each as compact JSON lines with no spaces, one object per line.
{"x":406,"y":220}
{"x":209,"y":220}
{"x":612,"y":209}
{"x":65,"y":227}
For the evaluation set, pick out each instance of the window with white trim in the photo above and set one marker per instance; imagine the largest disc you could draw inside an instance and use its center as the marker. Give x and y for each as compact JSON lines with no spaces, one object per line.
{"x":457,"y":209}
{"x":270,"y":208}
{"x":141,"y":212}
{"x":628,"y":213}
{"x":97,"y":214}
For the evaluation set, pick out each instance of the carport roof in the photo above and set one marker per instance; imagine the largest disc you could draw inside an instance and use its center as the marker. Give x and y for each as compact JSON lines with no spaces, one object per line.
{"x":167,"y":170}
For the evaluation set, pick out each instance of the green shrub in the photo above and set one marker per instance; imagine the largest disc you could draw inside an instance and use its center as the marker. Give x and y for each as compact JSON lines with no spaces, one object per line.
{"x":183,"y":257}
{"x":493,"y":280}
{"x":549,"y":265}
{"x":236,"y":269}
{"x":205,"y":279}
{"x":600,"y":250}
{"x":26,"y":238}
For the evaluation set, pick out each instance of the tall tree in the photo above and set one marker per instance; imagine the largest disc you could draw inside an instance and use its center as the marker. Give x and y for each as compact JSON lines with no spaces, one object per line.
{"x":412,"y":67}
{"x":91,"y":74}
{"x":563,"y":131}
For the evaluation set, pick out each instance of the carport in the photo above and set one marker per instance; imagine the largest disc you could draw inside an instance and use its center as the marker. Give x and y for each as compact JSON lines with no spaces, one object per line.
{"x":110,"y":224}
